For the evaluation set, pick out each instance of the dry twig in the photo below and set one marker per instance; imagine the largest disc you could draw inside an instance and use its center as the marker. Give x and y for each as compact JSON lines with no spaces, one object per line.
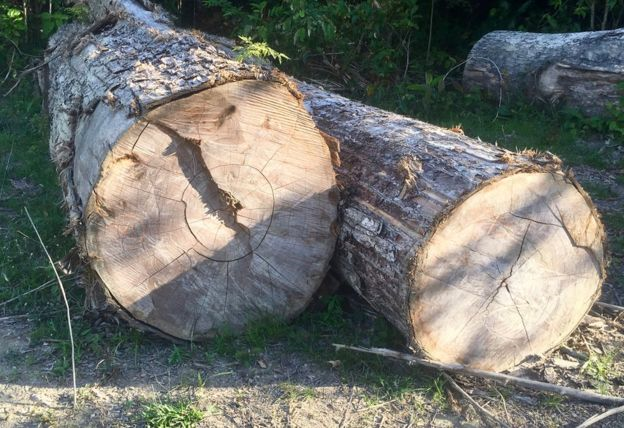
{"x":60,"y":283}
{"x":601,"y":416}
{"x":498,"y":377}
{"x":467,"y":396}
{"x":609,"y":306}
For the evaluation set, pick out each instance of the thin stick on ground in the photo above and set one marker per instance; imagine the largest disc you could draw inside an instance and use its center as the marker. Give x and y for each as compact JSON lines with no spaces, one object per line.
{"x":13,"y":317}
{"x":498,"y":377}
{"x":601,"y":416}
{"x":60,"y":283}
{"x":609,"y":306}
{"x":34,"y":290}
{"x":467,"y":396}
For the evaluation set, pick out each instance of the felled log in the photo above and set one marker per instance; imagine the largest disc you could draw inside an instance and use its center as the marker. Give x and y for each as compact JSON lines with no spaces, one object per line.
{"x":580,"y":70}
{"x":478,"y":255}
{"x":201,"y":193}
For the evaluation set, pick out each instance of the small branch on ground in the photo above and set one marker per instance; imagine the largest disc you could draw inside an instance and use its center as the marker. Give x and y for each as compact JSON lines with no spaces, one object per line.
{"x":478,"y":407}
{"x":498,"y":377}
{"x":610,"y":307}
{"x":60,"y":283}
{"x":601,"y":416}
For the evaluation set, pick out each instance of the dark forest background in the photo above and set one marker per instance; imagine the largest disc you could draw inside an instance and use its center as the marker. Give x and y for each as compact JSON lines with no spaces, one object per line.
{"x":391,"y":52}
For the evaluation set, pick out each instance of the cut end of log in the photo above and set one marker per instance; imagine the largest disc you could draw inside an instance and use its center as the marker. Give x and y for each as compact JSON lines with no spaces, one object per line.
{"x":509,"y":273}
{"x":215,"y":210}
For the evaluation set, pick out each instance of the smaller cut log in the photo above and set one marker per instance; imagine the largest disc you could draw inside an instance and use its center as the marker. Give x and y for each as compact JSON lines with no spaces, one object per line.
{"x":478,"y":255}
{"x":580,"y":70}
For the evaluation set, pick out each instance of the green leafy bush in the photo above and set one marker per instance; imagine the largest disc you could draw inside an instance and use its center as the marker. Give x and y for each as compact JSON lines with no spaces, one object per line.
{"x":251,"y":49}
{"x":12,"y":22}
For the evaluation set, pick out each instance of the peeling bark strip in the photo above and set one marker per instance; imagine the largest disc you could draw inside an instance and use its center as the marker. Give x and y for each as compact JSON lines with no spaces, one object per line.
{"x":199,"y":189}
{"x":480,"y":256}
{"x":581,"y":70}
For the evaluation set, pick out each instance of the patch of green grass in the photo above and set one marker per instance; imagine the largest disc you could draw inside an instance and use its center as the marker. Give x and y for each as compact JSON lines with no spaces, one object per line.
{"x":599,"y":190}
{"x":28,"y":179}
{"x":178,"y":355}
{"x":293,"y":392}
{"x":552,"y":401}
{"x":617,"y":244}
{"x":13,"y":356}
{"x":614,"y":220}
{"x":171,"y":414}
{"x":599,"y":367}
{"x":438,"y":391}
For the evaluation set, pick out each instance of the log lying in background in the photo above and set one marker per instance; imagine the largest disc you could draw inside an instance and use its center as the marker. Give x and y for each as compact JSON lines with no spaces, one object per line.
{"x":478,"y":255}
{"x":581,"y":70}
{"x":200,"y":191}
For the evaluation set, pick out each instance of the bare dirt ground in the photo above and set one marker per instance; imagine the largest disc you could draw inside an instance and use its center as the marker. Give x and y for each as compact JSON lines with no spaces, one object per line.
{"x":285,"y":389}
{"x":280,"y":387}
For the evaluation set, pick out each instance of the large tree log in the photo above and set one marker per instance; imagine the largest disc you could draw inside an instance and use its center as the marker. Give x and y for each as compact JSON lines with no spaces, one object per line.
{"x":581,"y":70}
{"x":476,"y":254}
{"x":199,"y":188}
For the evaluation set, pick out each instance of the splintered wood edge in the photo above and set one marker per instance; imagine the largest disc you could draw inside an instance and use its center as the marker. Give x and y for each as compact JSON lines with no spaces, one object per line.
{"x":214,"y":210}
{"x":509,"y":272}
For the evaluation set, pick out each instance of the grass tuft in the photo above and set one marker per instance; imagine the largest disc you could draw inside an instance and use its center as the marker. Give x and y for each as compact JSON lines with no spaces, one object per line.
{"x":174,"y":414}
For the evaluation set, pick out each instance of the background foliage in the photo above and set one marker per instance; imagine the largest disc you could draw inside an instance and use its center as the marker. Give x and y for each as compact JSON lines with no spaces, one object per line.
{"x":391,"y":52}
{"x":396,"y":54}
{"x":372,"y":44}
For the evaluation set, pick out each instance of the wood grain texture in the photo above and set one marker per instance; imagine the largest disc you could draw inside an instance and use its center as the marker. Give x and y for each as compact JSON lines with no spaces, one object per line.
{"x":480,"y":256}
{"x":215,"y":210}
{"x":581,"y":70}
{"x":199,"y":189}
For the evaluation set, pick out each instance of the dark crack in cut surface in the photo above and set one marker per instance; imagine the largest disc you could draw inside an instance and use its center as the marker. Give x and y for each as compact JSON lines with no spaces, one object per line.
{"x":229,"y":231}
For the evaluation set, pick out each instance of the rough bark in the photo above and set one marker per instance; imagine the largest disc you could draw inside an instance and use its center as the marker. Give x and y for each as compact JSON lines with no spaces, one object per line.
{"x":581,"y":70}
{"x":200,"y":191}
{"x":478,"y":255}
